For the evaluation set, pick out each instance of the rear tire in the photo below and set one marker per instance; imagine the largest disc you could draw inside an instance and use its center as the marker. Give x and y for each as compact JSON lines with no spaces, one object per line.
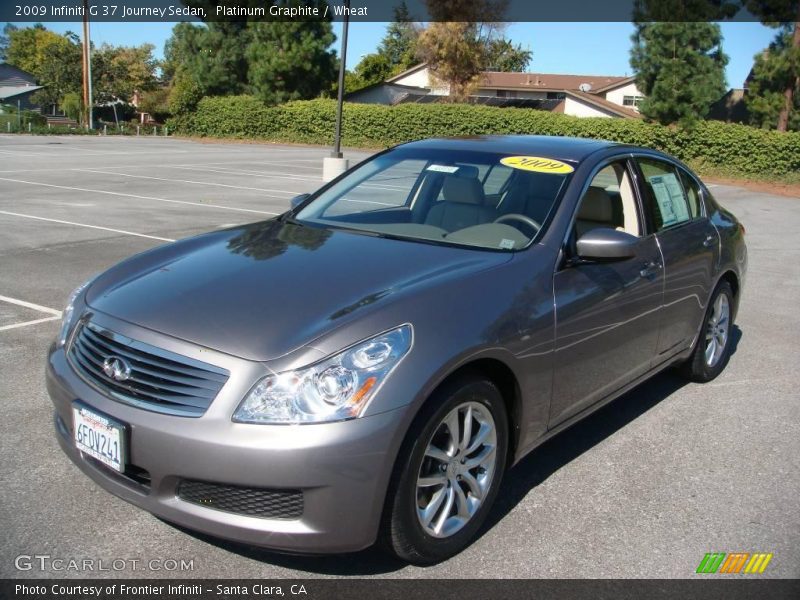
{"x":444,"y":484}
{"x":713,"y":345}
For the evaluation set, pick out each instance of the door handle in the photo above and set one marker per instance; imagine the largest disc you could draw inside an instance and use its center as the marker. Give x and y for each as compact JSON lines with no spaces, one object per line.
{"x":649,"y":269}
{"x":709,"y":241}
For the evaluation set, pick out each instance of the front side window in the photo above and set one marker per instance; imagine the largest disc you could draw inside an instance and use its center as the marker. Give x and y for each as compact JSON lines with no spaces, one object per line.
{"x":666,"y":202}
{"x":609,"y":202}
{"x":480,"y":199}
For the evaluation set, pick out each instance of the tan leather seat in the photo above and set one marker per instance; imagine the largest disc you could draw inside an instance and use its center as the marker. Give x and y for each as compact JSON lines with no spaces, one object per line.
{"x":596,"y":210}
{"x":464,"y":203}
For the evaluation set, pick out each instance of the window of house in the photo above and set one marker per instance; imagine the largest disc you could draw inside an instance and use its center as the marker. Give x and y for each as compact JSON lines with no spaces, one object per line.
{"x":556,"y":95}
{"x":632,"y":100}
{"x":666,"y":202}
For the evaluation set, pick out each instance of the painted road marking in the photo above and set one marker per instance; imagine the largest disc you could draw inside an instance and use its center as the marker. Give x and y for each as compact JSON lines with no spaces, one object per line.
{"x":77,"y":189}
{"x":31,"y":305}
{"x":122,"y":231}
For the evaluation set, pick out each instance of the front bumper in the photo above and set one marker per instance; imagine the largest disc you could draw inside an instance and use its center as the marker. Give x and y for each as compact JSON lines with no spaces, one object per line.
{"x":342,"y":469}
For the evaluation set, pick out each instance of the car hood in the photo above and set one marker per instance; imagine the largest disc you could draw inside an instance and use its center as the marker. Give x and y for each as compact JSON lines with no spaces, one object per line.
{"x":263,"y":290}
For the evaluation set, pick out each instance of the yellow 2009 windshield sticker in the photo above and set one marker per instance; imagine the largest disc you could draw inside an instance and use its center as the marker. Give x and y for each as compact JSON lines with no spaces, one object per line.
{"x":537,"y":164}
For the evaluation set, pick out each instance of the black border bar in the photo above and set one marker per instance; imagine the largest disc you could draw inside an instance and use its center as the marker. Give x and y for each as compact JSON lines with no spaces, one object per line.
{"x":50,"y":11}
{"x":710,"y":588}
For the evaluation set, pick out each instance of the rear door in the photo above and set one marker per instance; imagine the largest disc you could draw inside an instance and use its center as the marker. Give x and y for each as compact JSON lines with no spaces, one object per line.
{"x":689,"y":245}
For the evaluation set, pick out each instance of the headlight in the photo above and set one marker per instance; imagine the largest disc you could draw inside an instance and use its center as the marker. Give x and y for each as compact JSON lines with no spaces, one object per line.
{"x":68,"y":315}
{"x":335,"y":389}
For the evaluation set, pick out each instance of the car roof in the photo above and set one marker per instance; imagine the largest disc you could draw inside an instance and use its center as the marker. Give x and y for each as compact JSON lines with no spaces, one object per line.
{"x":562,"y":148}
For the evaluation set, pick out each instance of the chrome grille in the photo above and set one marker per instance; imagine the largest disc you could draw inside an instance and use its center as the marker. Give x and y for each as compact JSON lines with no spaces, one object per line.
{"x":159,"y":380}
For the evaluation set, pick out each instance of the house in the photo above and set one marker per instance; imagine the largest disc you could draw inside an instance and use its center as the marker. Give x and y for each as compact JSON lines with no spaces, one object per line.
{"x":578,"y":95}
{"x":16,"y":88}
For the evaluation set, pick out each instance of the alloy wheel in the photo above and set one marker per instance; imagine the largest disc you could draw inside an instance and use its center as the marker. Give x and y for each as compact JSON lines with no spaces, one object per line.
{"x":717,"y":330}
{"x":457,"y":470}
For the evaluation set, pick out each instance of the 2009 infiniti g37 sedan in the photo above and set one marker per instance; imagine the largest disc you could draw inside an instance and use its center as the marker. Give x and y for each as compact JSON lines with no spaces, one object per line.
{"x":367,"y":365}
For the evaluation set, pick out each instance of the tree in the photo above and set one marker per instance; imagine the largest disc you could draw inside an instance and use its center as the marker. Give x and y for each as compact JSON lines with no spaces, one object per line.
{"x":774,"y":78}
{"x":772,"y":96}
{"x":395,"y":53}
{"x":72,"y":105}
{"x":55,"y":60}
{"x":291,"y":60}
{"x":4,"y":39}
{"x":679,"y":65}
{"x":464,"y":39}
{"x":504,"y":56}
{"x":212,"y":56}
{"x":120,"y":71}
{"x":399,"y":43}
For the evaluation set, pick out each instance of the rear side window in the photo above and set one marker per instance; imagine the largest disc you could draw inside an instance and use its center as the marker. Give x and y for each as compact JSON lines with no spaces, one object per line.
{"x":692,"y":194}
{"x":667,"y":203}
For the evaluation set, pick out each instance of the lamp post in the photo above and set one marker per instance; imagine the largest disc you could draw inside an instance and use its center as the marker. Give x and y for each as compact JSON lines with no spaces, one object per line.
{"x":335,"y":164}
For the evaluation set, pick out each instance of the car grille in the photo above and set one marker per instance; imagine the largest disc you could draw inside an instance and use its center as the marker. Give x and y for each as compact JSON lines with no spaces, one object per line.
{"x":252,"y":502}
{"x":159,"y":380}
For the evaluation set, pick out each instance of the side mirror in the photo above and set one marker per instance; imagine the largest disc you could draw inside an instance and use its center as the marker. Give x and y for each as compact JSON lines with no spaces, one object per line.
{"x":298,"y":200}
{"x":605,"y":243}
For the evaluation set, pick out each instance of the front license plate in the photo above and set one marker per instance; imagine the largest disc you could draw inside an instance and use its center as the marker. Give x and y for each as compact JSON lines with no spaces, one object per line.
{"x":99,"y":436}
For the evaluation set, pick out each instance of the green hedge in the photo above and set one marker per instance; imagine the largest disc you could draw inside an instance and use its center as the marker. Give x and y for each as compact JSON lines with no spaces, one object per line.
{"x":712,"y":145}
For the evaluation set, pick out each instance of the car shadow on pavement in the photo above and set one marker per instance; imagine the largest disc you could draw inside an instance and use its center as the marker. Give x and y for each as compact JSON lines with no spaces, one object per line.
{"x":531,"y":471}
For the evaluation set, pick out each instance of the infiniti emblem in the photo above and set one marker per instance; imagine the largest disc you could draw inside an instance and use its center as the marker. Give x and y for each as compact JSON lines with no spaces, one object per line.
{"x":116,"y":368}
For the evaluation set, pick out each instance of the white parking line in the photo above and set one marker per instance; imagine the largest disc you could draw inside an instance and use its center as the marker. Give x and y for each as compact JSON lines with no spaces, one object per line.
{"x":31,"y":305}
{"x":26,"y":323}
{"x":203,"y":204}
{"x":122,"y":231}
{"x":203,"y":183}
{"x":317,"y":179}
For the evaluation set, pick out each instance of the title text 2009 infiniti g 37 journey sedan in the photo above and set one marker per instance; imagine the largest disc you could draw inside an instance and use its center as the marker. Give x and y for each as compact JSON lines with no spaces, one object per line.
{"x":367,"y":365}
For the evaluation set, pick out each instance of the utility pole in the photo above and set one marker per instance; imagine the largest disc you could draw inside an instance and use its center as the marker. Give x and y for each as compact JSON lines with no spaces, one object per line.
{"x":87,"y":68}
{"x":335,"y":164}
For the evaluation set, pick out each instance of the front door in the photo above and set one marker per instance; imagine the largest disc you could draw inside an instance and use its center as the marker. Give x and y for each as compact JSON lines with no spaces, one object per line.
{"x":607,"y":313}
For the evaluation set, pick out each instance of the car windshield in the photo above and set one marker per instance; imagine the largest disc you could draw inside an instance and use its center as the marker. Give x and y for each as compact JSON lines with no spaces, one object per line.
{"x":478,"y":199}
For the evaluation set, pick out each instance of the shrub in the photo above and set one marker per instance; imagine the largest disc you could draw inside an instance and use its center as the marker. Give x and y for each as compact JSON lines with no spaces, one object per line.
{"x":733,"y":149}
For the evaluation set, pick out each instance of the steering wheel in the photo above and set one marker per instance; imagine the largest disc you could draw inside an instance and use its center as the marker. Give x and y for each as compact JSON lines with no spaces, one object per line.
{"x":520,"y":219}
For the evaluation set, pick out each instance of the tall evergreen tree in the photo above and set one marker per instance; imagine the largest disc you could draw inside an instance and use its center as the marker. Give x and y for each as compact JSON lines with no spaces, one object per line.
{"x":290,"y":61}
{"x":274,"y":60}
{"x":773,"y":96}
{"x":680,"y":67}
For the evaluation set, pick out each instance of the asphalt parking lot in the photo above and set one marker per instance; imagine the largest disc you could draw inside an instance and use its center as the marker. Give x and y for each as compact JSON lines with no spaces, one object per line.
{"x":643,"y":488}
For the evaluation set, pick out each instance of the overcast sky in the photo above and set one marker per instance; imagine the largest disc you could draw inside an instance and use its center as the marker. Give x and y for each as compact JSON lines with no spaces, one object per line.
{"x":571,"y":48}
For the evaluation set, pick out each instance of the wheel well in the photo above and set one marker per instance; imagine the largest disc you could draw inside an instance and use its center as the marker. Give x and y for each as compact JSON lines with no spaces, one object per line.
{"x":733,"y":280}
{"x":505,"y":380}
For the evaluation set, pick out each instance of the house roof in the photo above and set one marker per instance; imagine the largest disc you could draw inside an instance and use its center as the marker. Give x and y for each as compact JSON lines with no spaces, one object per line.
{"x":603,"y":104}
{"x":549,"y":81}
{"x":9,"y":91}
{"x":407,"y":72}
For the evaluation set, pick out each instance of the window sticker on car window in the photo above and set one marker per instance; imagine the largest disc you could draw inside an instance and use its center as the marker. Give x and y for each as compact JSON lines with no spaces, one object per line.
{"x":669,"y":195}
{"x":538,"y":164}
{"x":506,"y":244}
{"x":442,"y":168}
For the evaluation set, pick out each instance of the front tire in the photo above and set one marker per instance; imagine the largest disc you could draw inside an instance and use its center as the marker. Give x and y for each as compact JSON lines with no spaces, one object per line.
{"x":448,"y":472}
{"x":713,"y":346}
